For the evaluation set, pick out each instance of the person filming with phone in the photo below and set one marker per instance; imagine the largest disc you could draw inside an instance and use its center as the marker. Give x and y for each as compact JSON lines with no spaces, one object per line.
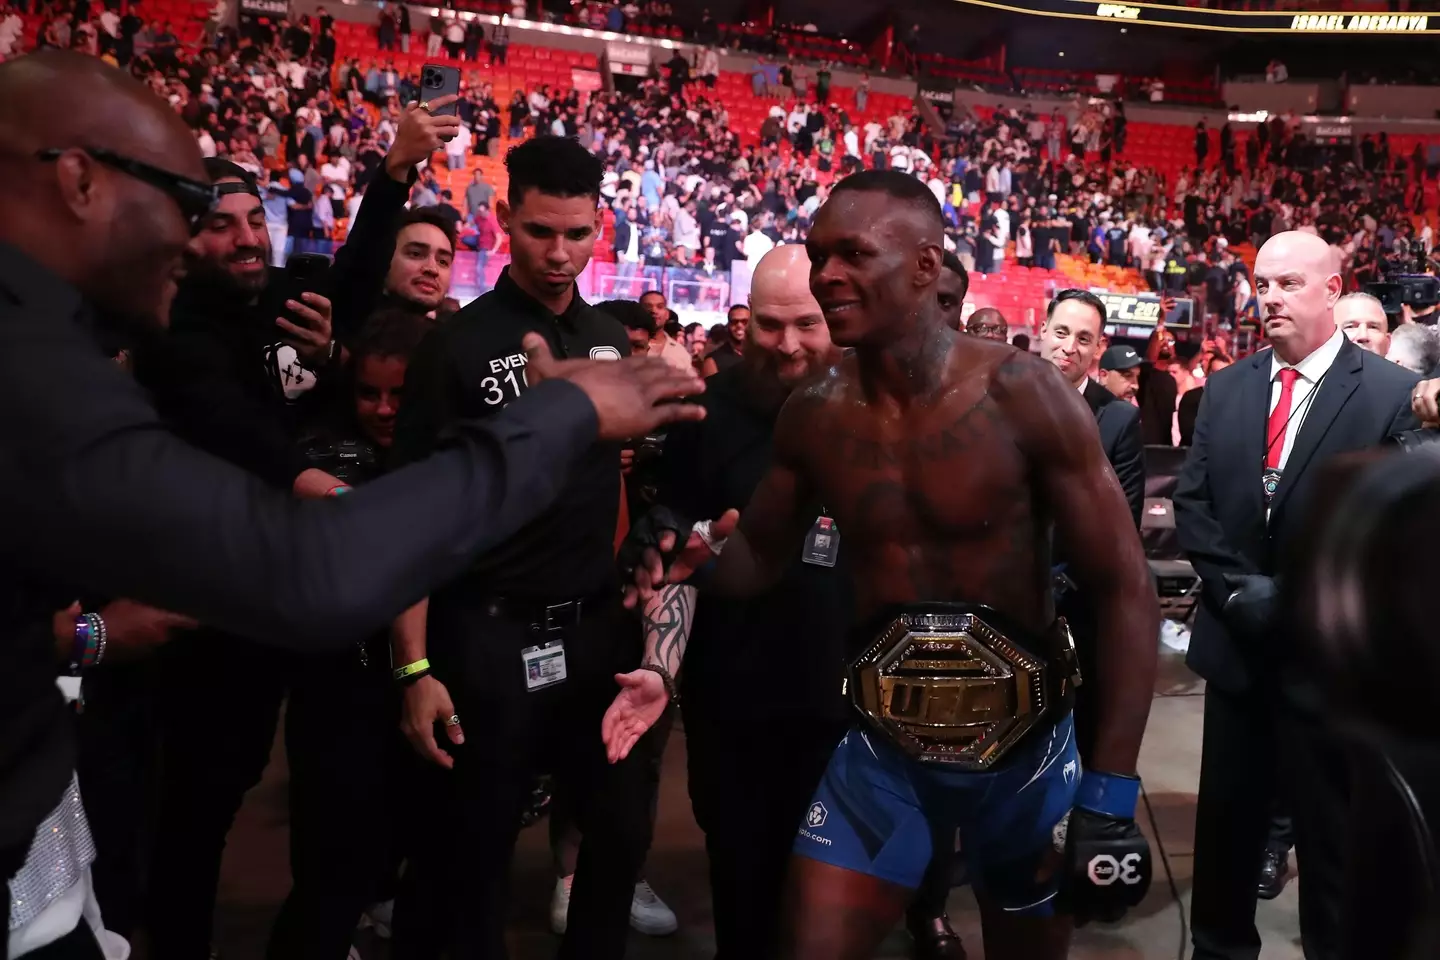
{"x":248,"y":354}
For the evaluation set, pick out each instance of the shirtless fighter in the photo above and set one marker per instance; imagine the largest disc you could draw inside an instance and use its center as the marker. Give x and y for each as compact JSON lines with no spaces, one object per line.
{"x":943,"y":463}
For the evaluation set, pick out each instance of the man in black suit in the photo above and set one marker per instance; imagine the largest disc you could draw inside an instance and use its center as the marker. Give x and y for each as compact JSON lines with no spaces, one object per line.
{"x":1264,"y":427}
{"x":1070,"y":338}
{"x":1073,"y":330}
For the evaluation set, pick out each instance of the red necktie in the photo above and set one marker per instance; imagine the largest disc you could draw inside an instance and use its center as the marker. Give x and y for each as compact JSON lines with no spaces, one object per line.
{"x":1280,"y":418}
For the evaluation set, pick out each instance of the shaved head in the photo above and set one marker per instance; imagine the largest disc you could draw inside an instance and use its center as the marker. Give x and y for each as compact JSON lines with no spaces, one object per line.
{"x":787,"y":340}
{"x":783,"y":274}
{"x":117,"y":237}
{"x":1297,"y":281}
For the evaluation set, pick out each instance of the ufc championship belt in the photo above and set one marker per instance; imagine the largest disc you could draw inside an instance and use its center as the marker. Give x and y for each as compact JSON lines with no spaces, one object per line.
{"x":951,"y":687}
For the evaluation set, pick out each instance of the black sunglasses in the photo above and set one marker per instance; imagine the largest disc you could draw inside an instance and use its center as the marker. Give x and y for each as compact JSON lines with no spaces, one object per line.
{"x":195,"y":198}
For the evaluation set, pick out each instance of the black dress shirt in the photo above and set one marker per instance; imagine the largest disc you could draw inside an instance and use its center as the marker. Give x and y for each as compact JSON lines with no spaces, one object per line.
{"x":100,"y":497}
{"x":472,"y":367}
{"x":782,"y":653}
{"x":1119,"y":424}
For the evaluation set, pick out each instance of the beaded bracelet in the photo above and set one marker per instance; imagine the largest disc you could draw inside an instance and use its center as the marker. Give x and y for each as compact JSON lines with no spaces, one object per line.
{"x":101,"y":637}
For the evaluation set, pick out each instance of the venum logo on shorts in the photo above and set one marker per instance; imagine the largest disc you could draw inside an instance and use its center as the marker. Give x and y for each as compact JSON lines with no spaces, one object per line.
{"x":604,"y":353}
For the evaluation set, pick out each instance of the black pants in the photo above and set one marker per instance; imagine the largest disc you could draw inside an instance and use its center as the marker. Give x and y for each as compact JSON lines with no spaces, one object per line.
{"x":454,"y":894}
{"x":219,"y":706}
{"x":750,"y":784}
{"x":1251,"y":740}
{"x":11,"y":860}
{"x":118,"y":750}
{"x":940,"y":877}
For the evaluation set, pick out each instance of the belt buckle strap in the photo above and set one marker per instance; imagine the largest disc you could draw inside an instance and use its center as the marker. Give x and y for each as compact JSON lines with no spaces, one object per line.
{"x":558,"y":616}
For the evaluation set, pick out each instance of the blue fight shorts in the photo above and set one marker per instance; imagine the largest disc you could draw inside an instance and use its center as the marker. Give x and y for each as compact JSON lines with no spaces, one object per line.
{"x":874,"y":809}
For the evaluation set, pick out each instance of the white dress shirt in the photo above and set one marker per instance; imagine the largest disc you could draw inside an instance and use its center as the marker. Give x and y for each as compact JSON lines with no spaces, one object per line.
{"x":1311,"y":369}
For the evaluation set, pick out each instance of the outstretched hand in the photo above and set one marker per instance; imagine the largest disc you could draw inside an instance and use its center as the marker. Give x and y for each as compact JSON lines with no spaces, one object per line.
{"x":632,"y":397}
{"x":651,"y":573}
{"x":638,"y":706}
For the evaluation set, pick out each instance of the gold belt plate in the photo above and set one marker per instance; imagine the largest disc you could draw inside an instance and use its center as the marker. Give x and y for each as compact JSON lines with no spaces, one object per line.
{"x":949,"y":689}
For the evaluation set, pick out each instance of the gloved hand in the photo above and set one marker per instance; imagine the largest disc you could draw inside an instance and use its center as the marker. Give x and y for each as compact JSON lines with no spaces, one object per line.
{"x":1250,"y":606}
{"x":1107,"y":859}
{"x":645,"y":534}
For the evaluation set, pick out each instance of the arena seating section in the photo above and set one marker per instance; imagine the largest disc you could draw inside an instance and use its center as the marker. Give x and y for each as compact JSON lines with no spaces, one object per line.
{"x":529,"y":66}
{"x":1018,"y":291}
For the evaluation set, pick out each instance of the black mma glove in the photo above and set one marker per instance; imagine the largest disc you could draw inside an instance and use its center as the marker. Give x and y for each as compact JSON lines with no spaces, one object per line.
{"x":1251,"y":604}
{"x":1107,"y":859}
{"x":645,"y":535}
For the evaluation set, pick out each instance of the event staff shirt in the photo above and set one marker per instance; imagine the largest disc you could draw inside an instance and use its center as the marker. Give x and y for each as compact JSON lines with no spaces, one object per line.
{"x":471,"y":368}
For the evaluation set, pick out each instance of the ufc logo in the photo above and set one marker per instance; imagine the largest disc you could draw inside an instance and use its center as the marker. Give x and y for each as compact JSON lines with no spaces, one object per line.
{"x":1104,"y":869}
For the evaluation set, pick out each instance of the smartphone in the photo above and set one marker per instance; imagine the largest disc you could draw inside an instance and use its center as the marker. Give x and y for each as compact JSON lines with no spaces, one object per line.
{"x":304,"y":273}
{"x":438,"y":81}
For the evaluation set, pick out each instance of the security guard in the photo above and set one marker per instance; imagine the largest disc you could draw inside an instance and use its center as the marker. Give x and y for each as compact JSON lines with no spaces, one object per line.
{"x":99,"y":496}
{"x":524,"y":647}
{"x":752,"y":771}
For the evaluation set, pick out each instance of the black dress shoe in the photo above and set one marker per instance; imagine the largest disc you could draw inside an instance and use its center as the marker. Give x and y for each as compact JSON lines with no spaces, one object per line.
{"x":934,"y":940}
{"x":1274,"y":871}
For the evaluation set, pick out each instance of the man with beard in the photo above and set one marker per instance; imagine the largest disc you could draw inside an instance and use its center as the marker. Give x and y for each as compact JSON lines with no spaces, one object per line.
{"x":989,"y":324}
{"x":1120,"y":371}
{"x":1158,"y":389}
{"x":749,"y":789}
{"x":227,"y":382}
{"x":729,"y":353}
{"x":231,"y":372}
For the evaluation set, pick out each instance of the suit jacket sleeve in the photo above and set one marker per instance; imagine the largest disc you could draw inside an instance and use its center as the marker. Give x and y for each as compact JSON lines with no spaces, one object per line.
{"x":100,"y":494}
{"x":1127,"y":457}
{"x":1196,"y":526}
{"x":358,"y":275}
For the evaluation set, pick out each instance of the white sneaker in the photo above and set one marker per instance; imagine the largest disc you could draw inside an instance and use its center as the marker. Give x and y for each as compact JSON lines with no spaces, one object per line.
{"x":649,"y":915}
{"x":560,"y":905}
{"x":379,"y":917}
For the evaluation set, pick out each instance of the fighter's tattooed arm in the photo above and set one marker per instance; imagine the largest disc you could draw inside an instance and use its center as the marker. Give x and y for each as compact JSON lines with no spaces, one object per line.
{"x":667,"y":617}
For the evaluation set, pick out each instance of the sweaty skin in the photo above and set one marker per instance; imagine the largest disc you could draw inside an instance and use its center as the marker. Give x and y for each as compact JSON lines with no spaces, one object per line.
{"x":946,"y":461}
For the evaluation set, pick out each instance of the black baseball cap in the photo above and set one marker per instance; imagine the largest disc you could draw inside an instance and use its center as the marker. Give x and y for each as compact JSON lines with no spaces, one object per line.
{"x":1120,"y":357}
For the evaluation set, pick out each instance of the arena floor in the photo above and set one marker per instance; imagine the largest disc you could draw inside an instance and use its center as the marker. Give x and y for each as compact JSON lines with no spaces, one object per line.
{"x":255,"y":864}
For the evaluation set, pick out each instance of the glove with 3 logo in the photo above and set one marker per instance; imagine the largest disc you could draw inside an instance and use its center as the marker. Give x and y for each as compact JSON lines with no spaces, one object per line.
{"x":1107,"y":859}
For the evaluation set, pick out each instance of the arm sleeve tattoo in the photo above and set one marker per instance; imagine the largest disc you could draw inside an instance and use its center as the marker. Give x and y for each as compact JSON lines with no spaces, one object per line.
{"x":667,"y":617}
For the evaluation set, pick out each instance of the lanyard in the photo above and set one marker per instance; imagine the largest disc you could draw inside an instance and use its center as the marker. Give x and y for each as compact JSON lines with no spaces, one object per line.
{"x":1303,"y":404}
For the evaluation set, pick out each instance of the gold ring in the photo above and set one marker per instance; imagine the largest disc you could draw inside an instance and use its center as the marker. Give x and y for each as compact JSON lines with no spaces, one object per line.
{"x":425,"y":105}
{"x":454,"y":720}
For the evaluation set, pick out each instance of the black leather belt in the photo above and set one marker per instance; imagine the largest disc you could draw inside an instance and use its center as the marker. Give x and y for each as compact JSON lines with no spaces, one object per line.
{"x":548,"y":615}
